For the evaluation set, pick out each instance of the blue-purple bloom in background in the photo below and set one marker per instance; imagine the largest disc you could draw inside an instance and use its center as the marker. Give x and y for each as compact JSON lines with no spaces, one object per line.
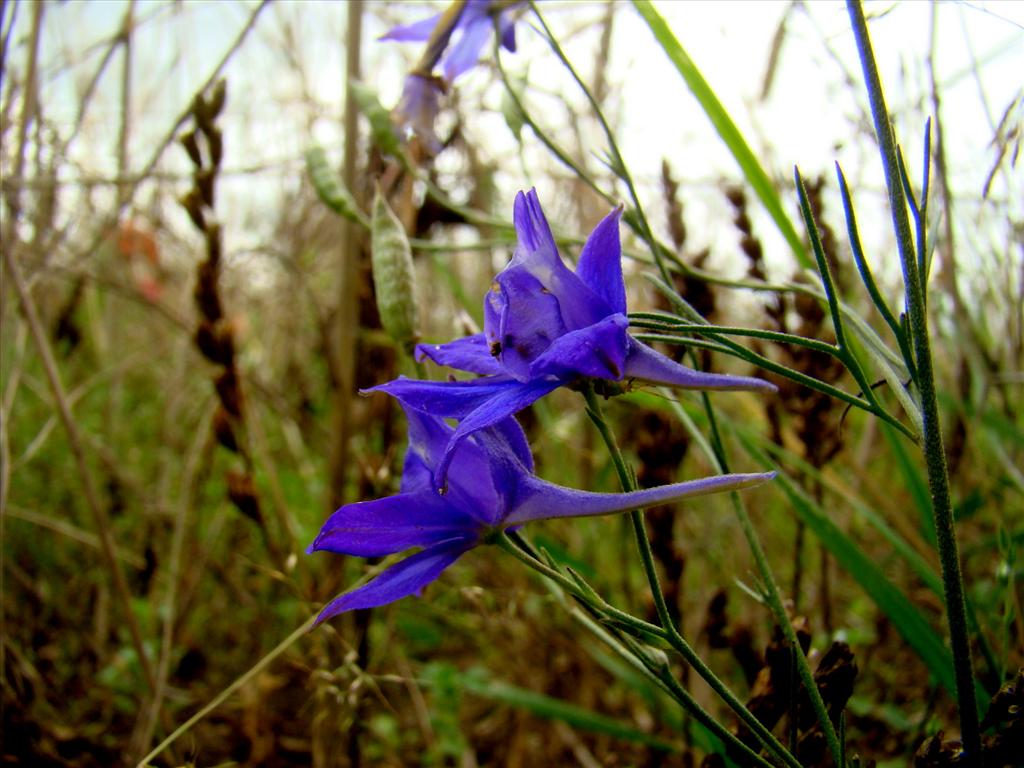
{"x":491,"y":487}
{"x":456,"y":48}
{"x":546,"y":326}
{"x":468,"y":39}
{"x":418,"y":107}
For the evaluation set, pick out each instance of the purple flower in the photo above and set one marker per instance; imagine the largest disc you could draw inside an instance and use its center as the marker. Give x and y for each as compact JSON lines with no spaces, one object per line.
{"x":418,"y":108}
{"x":546,"y":326}
{"x":491,"y":487}
{"x":469,"y":37}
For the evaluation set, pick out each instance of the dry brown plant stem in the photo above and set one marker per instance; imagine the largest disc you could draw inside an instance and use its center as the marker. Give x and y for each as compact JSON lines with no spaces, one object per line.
{"x":347,"y":319}
{"x":342,"y":340}
{"x":99,"y":514}
{"x":7,"y":246}
{"x":124,"y":135}
{"x":263,"y":458}
{"x":28,"y":109}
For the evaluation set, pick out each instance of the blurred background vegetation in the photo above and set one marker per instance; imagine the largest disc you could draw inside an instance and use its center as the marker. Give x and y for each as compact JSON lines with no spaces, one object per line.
{"x":185,"y":324}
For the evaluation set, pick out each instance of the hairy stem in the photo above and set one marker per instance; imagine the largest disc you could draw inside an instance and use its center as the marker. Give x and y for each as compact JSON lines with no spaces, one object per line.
{"x":934,"y":452}
{"x":632,"y":649}
{"x":671,"y":633}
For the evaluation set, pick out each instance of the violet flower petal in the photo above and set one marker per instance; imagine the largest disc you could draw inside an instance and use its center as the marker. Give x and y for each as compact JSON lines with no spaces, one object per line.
{"x":402,"y":579}
{"x":508,"y":32}
{"x":428,"y":440}
{"x":463,"y":55}
{"x":508,"y":435}
{"x":642,"y":362}
{"x":470,"y":485}
{"x":504,"y":444}
{"x":470,"y":488}
{"x":529,"y":319}
{"x":541,"y":500}
{"x":392,"y":524}
{"x":471,"y":353}
{"x":418,"y":107}
{"x":600,"y":264}
{"x":538,"y":254}
{"x":484,"y":470}
{"x":417,"y":31}
{"x":532,"y":229}
{"x":597,"y":351}
{"x":448,"y":399}
{"x":504,"y":404}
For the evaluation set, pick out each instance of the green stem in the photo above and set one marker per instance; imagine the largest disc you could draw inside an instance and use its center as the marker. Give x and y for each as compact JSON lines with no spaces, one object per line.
{"x":660,"y":673}
{"x":523,"y":551}
{"x":934,"y":452}
{"x":618,"y":162}
{"x":652,"y":320}
{"x":439,"y":39}
{"x":553,"y":148}
{"x":738,"y":350}
{"x":224,"y":695}
{"x":846,"y":353}
{"x":669,"y":631}
{"x":774,"y":598}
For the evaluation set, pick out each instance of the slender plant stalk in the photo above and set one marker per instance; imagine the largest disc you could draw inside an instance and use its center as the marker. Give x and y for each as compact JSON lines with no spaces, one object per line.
{"x":347,"y":322}
{"x":847,"y":355}
{"x":636,"y":652}
{"x":737,"y":350}
{"x":186,"y":502}
{"x":618,"y":163}
{"x":92,"y":498}
{"x":671,"y":632}
{"x":124,"y":134}
{"x":560,"y":154}
{"x":224,"y":695}
{"x":934,"y":452}
{"x":772,"y":595}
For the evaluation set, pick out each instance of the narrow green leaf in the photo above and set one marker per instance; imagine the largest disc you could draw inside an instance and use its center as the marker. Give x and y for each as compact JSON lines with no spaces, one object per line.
{"x":477,"y":682}
{"x":866,"y":276}
{"x":511,"y":110}
{"x":827,"y":283}
{"x":725,"y":127}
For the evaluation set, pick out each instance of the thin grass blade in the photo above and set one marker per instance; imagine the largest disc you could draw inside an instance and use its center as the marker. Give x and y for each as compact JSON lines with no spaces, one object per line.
{"x":726,"y":128}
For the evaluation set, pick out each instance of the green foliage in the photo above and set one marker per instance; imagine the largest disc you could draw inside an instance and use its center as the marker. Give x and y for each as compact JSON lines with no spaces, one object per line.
{"x":588,"y":662}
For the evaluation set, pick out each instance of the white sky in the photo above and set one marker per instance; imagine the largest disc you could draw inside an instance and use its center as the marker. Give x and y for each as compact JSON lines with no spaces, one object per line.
{"x":286,"y":90}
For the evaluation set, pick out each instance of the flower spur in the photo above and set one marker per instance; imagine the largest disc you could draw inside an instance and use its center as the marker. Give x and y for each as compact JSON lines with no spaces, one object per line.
{"x":491,"y":487}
